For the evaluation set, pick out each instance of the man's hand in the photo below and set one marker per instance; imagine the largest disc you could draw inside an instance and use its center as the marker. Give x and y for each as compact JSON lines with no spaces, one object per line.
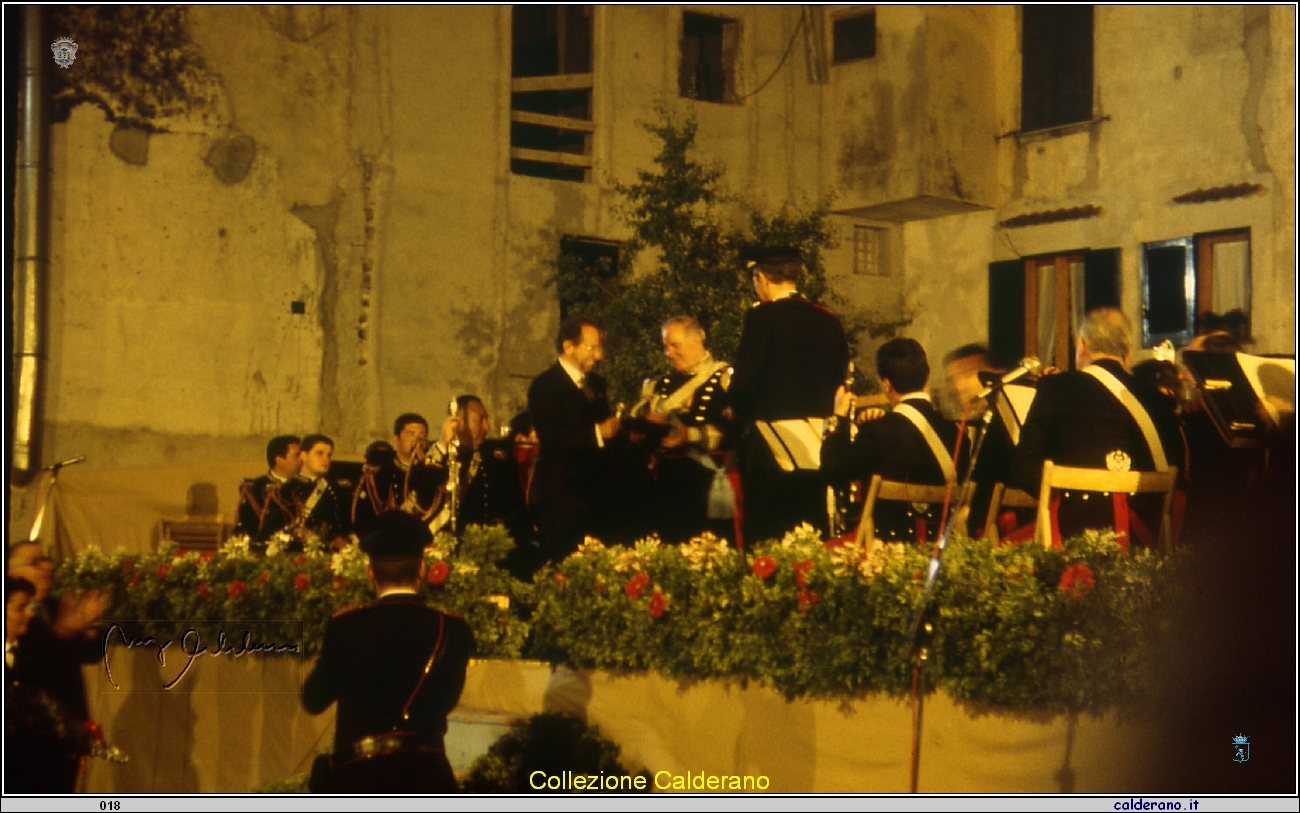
{"x":843,"y":402}
{"x":609,"y":427}
{"x":80,"y":612}
{"x":450,"y":430}
{"x":677,"y":436}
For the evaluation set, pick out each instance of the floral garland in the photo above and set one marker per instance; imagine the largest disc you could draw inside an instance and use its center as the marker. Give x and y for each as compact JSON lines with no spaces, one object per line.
{"x":1017,"y":627}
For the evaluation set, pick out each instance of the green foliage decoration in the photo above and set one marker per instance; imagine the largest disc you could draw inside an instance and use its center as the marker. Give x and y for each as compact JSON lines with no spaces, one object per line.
{"x":300,"y":591}
{"x":547,"y":742}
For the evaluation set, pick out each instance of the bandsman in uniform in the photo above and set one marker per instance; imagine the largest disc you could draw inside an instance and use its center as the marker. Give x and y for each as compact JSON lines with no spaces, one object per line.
{"x":967,"y":369}
{"x":691,"y":493}
{"x":396,"y":668}
{"x":793,"y":356}
{"x":489,"y":490}
{"x":320,"y":503}
{"x":403,"y":482}
{"x":912,"y":443}
{"x":1098,"y":417}
{"x":265,"y":506}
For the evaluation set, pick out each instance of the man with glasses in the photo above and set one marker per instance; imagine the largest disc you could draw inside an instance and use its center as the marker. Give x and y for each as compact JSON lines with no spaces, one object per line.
{"x":571,"y":413}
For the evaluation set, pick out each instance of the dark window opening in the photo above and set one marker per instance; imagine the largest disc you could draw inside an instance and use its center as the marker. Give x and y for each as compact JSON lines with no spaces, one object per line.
{"x":1168,"y":285}
{"x":1223,"y":282}
{"x":854,"y":37}
{"x":708,"y":46}
{"x":587,"y":264}
{"x":550,"y":99}
{"x":1035,"y":303}
{"x":1056,"y":67}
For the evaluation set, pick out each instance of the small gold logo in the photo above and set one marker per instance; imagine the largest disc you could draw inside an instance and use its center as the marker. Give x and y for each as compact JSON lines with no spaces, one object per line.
{"x":1118,"y":461}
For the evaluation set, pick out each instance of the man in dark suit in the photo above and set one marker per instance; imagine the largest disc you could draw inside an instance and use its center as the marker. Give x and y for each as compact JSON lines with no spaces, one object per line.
{"x":1077,"y":420}
{"x":265,"y":507}
{"x":792,"y":357}
{"x":912,"y":443}
{"x":571,"y":413}
{"x":320,"y":503}
{"x":396,"y":667}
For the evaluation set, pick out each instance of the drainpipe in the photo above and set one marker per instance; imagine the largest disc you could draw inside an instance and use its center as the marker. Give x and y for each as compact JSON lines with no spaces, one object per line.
{"x":31,"y":258}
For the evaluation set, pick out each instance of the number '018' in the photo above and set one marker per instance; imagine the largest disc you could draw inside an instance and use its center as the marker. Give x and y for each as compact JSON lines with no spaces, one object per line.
{"x":110,"y":805}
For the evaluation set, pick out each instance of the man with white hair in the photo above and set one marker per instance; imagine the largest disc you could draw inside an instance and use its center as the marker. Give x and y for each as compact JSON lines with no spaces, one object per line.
{"x":1099,"y":417}
{"x":691,"y":493}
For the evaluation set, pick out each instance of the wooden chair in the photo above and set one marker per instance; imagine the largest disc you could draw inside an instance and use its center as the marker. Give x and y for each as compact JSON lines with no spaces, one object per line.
{"x":1106,"y":482}
{"x":1004,"y":497}
{"x":892,"y":490}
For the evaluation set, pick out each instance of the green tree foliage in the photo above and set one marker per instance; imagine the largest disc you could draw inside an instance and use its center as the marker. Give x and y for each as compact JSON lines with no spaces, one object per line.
{"x":677,"y":210}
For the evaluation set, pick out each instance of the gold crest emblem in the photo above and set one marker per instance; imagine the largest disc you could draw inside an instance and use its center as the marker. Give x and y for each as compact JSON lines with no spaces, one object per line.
{"x":1118,"y":461}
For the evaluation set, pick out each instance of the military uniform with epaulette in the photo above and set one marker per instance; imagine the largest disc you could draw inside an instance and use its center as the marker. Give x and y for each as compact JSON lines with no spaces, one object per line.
{"x":690,"y":493}
{"x":416,"y":489}
{"x":265,"y":508}
{"x":322,"y":515}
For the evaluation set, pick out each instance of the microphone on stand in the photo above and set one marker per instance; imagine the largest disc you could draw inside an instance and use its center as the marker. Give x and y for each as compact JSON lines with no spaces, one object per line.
{"x":71,"y":461}
{"x":1028,"y":366}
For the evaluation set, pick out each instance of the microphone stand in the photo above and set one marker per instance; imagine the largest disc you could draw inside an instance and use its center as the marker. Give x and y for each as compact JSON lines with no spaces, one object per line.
{"x":918,"y":653}
{"x":49,"y":494}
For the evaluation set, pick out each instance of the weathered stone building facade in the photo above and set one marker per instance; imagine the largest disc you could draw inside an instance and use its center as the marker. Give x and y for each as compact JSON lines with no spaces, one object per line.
{"x":346,"y":231}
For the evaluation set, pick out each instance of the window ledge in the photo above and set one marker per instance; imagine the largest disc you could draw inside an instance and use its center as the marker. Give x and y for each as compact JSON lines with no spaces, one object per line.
{"x":1030,"y":136}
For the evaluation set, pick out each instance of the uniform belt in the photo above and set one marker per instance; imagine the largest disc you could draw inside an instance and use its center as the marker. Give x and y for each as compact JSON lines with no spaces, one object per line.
{"x":378,"y":745}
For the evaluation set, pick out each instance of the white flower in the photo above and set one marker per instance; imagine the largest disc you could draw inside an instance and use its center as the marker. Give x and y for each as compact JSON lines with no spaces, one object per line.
{"x":468,"y":568}
{"x":591,"y":546}
{"x":236,"y":547}
{"x":704,"y":551}
{"x":647,"y":546}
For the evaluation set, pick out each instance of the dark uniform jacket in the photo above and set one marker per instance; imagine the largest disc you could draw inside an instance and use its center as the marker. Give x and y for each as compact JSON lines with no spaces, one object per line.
{"x":371,"y":660}
{"x":567,"y":478}
{"x":418,"y":489}
{"x":679,"y":498}
{"x":265,"y":507}
{"x":792,"y":358}
{"x":330,"y":517}
{"x":1076,"y":421}
{"x":894,"y":448}
{"x":490,"y":491}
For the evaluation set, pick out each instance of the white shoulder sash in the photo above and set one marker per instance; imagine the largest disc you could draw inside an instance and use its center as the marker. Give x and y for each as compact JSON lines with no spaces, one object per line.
{"x":1130,"y":402}
{"x":931,"y":438}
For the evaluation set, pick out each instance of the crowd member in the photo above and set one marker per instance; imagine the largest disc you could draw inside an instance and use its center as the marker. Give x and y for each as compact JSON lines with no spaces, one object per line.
{"x":264,"y":506}
{"x":400,"y":482}
{"x":963,"y":368}
{"x":1094,"y":417}
{"x":792,"y":357}
{"x":396,"y":668}
{"x":62,"y":635}
{"x":691,"y":493}
{"x":571,"y":413}
{"x":912,"y":443}
{"x":489,"y":491}
{"x":320,"y":503}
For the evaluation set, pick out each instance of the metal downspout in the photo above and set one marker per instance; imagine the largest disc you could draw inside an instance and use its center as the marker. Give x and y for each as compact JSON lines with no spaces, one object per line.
{"x":31,"y":258}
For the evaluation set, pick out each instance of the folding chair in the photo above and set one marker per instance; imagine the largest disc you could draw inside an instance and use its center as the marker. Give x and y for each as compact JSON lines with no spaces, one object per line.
{"x":1106,"y":482}
{"x":894,"y":491}
{"x":1004,"y":497}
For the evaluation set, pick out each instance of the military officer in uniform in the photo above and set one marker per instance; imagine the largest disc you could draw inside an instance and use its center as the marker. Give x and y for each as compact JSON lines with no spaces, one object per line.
{"x":690,"y":493}
{"x":265,"y":507}
{"x":403,"y":481}
{"x":966,"y":369}
{"x":910,"y":444}
{"x":793,"y":356}
{"x":396,"y":668}
{"x":489,"y":488}
{"x":319,"y":501}
{"x":1081,"y":418}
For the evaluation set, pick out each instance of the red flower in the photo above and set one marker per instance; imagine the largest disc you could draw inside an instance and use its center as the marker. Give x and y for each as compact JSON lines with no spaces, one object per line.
{"x":207,"y":557}
{"x":801,"y":571}
{"x":338,"y":583}
{"x":438,"y":573}
{"x":562,"y":580}
{"x":163,"y":570}
{"x":302,"y":581}
{"x":916,"y":575}
{"x":807,"y":599}
{"x":636,"y":586}
{"x":95,"y":732}
{"x":204,"y":592}
{"x":765,"y":566}
{"x":128,"y":565}
{"x":261,"y":580}
{"x":1077,"y":581}
{"x":238,"y":588}
{"x":657,"y":604}
{"x":600,"y":586}
{"x":135,"y":580}
{"x":300,"y":561}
